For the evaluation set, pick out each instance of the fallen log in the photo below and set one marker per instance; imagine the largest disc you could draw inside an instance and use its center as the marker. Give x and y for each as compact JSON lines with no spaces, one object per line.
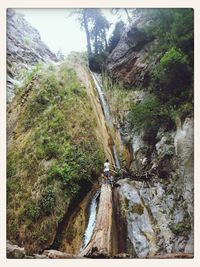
{"x":100,"y":245}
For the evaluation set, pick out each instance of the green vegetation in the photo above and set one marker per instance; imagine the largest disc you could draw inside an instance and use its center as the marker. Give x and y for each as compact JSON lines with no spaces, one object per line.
{"x":171,"y":81}
{"x":172,"y":78}
{"x":116,"y":35}
{"x":55,"y":154}
{"x":169,"y":92}
{"x":138,"y":208}
{"x":119,"y":100}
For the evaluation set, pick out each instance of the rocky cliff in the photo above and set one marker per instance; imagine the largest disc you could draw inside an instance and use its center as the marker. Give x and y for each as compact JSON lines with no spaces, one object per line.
{"x":159,"y":214}
{"x":156,"y":215}
{"x":24,"y":49}
{"x":130,"y":62}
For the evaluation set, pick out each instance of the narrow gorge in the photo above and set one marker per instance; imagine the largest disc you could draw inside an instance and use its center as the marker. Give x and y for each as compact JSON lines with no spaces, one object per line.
{"x":66,"y":116}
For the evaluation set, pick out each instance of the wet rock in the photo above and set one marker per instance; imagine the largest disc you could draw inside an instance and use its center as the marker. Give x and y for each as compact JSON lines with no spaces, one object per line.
{"x":178,"y":215}
{"x":165,"y":147}
{"x":184,"y":147}
{"x":14,"y":251}
{"x":140,"y":230}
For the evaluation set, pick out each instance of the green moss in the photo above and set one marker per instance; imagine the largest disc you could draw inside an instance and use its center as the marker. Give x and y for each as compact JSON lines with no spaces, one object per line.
{"x":126,"y":202}
{"x":138,"y":208}
{"x":183,"y":227}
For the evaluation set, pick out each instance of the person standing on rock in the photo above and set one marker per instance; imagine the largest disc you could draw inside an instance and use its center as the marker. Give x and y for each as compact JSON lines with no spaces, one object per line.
{"x":107,"y":168}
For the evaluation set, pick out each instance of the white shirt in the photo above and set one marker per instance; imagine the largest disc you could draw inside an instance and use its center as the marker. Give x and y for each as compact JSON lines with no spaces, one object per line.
{"x":106,"y":166}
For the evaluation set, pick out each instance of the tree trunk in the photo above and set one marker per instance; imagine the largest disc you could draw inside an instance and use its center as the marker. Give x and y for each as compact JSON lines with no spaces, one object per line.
{"x":105,"y":40}
{"x":128,"y":16}
{"x":89,"y":49}
{"x":100,"y":245}
{"x":95,"y":42}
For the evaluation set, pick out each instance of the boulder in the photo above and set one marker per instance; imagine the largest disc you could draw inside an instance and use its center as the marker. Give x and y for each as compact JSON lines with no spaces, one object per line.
{"x":55,"y":254}
{"x":14,"y":251}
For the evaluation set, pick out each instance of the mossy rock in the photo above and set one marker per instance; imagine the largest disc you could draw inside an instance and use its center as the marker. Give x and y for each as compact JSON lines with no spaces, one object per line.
{"x":181,"y":228}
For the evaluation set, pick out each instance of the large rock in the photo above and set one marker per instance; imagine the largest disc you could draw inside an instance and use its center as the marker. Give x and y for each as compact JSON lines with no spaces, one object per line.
{"x":157,"y":221}
{"x":13,"y":251}
{"x":16,"y":252}
{"x":24,"y":49}
{"x":130,"y":61}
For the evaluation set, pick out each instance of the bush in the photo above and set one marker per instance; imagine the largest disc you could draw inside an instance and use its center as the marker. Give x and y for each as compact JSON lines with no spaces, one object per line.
{"x":172,"y":78}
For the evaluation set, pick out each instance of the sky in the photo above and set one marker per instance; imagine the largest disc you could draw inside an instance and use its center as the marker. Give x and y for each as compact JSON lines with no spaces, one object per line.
{"x":58,"y":30}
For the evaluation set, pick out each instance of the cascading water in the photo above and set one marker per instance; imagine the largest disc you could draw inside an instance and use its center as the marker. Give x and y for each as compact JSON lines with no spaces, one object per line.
{"x":104,"y":104}
{"x":106,"y":112}
{"x":116,"y":157}
{"x":91,"y":221}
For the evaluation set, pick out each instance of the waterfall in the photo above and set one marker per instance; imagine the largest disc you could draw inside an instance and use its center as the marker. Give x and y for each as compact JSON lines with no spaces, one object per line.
{"x":107,"y":115}
{"x":116,"y":157}
{"x":102,"y":99}
{"x":91,"y":222}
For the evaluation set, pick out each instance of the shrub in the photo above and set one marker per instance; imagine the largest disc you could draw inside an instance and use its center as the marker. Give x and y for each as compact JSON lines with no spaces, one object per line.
{"x":51,"y":149}
{"x":97,"y":62}
{"x":180,"y":228}
{"x":48,"y":200}
{"x":148,"y":116}
{"x":32,"y":210}
{"x":172,"y":78}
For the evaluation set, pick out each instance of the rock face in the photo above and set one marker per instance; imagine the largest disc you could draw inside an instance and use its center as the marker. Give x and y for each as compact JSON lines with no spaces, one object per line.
{"x":24,"y":49}
{"x":130,"y":62}
{"x":159,"y":214}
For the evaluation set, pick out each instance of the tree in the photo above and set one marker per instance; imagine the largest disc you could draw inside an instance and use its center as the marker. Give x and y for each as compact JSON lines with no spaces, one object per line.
{"x":84,"y":17}
{"x":116,"y":35}
{"x":98,"y":31}
{"x":95,"y":26}
{"x":116,"y":11}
